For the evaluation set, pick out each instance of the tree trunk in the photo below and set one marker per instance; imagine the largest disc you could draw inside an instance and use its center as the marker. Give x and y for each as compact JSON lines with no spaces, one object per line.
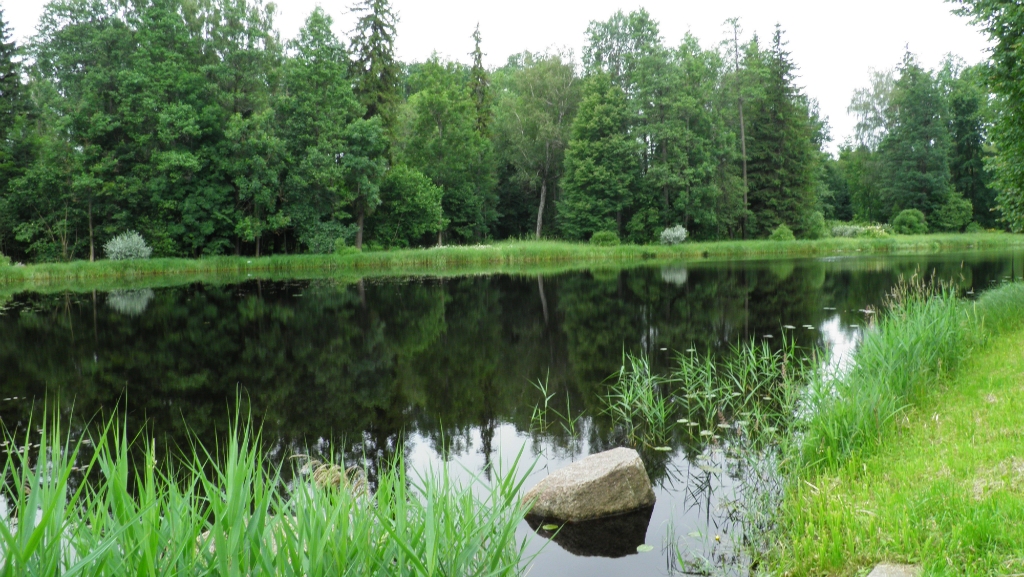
{"x":359,"y":227}
{"x":258,"y":237}
{"x":743,"y":151}
{"x":92,"y":242}
{"x":540,"y":209}
{"x":543,"y":298}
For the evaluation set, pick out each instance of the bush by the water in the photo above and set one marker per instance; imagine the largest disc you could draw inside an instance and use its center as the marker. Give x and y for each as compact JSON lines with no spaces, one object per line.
{"x":674,"y":235}
{"x":783,"y":232}
{"x":815,"y":227}
{"x":954,"y":215}
{"x":128,"y":245}
{"x":4,"y":260}
{"x":974,"y":228}
{"x":605,"y":238}
{"x":910,"y":221}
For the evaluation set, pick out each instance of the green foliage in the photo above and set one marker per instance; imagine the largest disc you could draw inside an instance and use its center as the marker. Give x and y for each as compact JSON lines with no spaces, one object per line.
{"x":783,"y":143}
{"x":1004,"y":24}
{"x":970,"y":113}
{"x":440,"y":140}
{"x":815,"y":227}
{"x":913,"y":156}
{"x":410,"y":210}
{"x":782,"y":233}
{"x":537,"y":100}
{"x":601,"y":163}
{"x":974,"y":228}
{"x":375,"y":70}
{"x":128,"y":245}
{"x":910,"y":221}
{"x":604,"y":238}
{"x":954,"y":215}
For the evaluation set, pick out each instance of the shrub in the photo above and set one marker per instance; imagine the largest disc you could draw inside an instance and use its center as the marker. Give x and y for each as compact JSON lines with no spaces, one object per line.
{"x":4,"y":260}
{"x":674,"y":235}
{"x":340,"y":248}
{"x":910,"y":221}
{"x":783,"y":232}
{"x":954,"y":215}
{"x":128,"y":245}
{"x":815,"y":227}
{"x":974,"y":227}
{"x":604,"y":238}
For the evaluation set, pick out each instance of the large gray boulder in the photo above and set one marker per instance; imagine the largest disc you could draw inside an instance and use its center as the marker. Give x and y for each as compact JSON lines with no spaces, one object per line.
{"x":600,"y":485}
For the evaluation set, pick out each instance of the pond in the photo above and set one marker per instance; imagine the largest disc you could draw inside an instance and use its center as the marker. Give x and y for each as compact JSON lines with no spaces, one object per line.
{"x":446,"y":370}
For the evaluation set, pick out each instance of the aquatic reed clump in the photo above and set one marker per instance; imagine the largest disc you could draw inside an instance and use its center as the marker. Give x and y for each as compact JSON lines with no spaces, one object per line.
{"x":232,"y":514}
{"x":751,"y":389}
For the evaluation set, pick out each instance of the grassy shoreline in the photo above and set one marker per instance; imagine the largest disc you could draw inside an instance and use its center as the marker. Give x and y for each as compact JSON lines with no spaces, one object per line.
{"x":939,"y":479}
{"x":515,"y":257}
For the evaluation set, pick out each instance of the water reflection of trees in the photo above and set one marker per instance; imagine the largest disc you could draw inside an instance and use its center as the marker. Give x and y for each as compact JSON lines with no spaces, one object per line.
{"x":366,"y":366}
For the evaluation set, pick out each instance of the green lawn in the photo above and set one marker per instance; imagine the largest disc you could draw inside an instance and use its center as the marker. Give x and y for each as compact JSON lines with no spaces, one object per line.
{"x":946,"y":492}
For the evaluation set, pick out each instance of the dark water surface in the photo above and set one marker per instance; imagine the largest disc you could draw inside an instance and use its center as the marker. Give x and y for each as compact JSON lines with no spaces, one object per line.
{"x":443,"y":369}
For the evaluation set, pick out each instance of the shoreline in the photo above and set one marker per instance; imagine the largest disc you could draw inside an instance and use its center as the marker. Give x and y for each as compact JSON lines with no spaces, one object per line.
{"x":510,"y":257}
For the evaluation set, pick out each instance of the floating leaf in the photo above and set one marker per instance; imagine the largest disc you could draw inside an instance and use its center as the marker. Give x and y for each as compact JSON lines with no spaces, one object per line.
{"x":682,"y":421}
{"x":663,"y":449}
{"x":705,"y":433}
{"x":644,"y":548}
{"x":712,"y":470}
{"x":695,"y":534}
{"x":549,"y":527}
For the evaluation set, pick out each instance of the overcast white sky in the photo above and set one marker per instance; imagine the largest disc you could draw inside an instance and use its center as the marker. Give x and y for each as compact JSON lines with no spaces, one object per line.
{"x":835,"y":44}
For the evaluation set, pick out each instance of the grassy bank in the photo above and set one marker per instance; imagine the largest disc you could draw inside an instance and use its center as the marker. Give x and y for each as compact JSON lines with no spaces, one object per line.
{"x":506,"y":257}
{"x":916,"y":461}
{"x":233,"y":515}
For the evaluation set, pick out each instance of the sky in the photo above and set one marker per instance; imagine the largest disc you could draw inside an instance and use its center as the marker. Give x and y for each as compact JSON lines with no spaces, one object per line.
{"x":834,"y":44}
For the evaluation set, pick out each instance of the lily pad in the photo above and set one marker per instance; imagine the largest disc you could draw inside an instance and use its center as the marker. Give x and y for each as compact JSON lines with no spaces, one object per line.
{"x":549,"y":527}
{"x":663,"y":449}
{"x":644,"y":548}
{"x":708,"y":469}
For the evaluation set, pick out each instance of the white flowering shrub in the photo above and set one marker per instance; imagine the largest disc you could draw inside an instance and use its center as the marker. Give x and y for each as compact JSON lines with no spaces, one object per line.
{"x":128,"y":245}
{"x":861,"y":231}
{"x":674,"y":235}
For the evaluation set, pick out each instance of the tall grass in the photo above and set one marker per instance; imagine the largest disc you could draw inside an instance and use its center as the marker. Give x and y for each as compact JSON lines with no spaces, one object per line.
{"x":925,"y":331}
{"x":232,"y":514}
{"x":752,"y":389}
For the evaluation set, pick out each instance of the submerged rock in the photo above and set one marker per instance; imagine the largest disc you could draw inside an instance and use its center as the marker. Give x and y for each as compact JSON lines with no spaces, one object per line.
{"x":603,"y":484}
{"x":614,"y":537}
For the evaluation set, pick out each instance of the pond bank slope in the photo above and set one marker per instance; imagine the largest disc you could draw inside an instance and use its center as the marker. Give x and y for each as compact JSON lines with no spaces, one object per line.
{"x":945,"y":491}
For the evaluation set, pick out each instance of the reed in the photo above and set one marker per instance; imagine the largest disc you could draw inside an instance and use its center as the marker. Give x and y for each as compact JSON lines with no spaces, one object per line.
{"x":79,"y":509}
{"x":751,"y":391}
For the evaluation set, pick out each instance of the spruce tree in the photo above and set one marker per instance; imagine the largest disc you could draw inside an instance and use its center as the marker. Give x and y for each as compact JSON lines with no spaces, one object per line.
{"x":481,"y":87}
{"x":914,"y":154}
{"x":782,"y":147}
{"x":10,"y":78}
{"x":375,"y":71}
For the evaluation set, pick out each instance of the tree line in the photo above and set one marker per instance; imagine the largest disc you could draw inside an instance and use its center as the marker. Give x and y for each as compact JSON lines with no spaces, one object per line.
{"x":195,"y":125}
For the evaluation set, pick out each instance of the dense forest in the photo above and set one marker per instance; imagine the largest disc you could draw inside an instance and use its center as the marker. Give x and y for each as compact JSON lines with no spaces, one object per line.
{"x":195,"y":125}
